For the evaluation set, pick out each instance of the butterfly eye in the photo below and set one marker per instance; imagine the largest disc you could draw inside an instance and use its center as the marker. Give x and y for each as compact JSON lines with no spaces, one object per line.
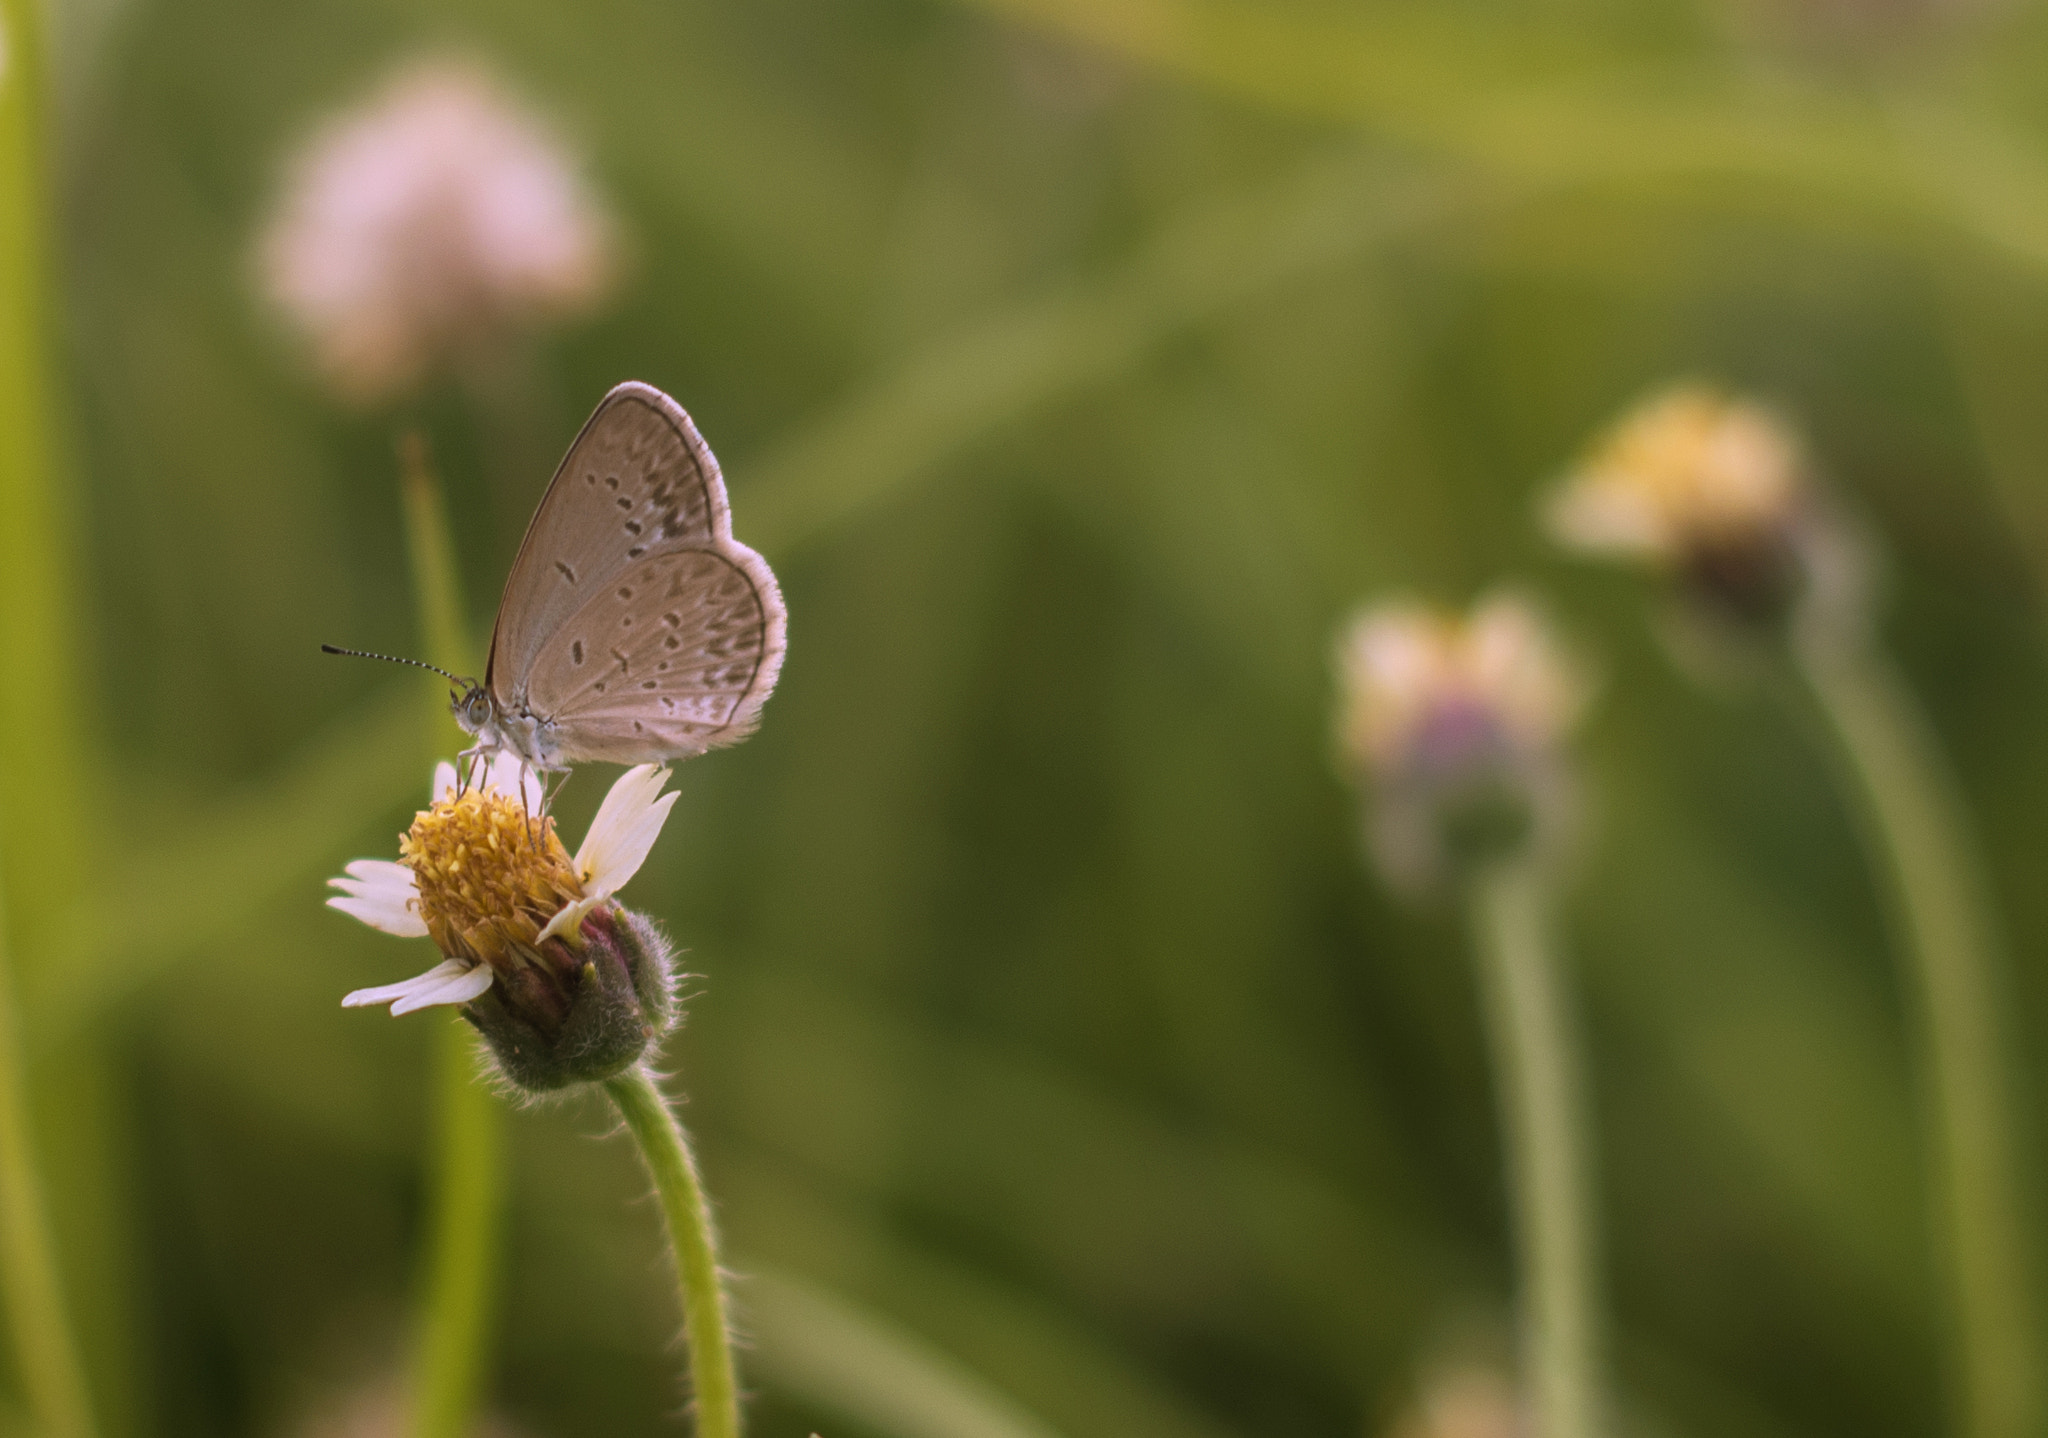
{"x":478,"y":709}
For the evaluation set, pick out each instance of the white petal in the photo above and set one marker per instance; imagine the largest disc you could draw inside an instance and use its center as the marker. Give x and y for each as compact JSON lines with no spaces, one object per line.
{"x":444,"y":781}
{"x":383,"y":895}
{"x":433,"y":978}
{"x":1602,"y":514}
{"x":626,"y":826}
{"x":571,"y":915}
{"x":458,"y":990}
{"x":512,"y":776}
{"x":382,"y":872}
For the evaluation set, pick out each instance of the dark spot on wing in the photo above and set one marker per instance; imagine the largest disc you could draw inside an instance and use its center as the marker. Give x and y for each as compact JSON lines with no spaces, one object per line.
{"x":636,"y":551}
{"x":625,"y":593}
{"x":611,"y":481}
{"x":633,"y":527}
{"x":576,"y":652}
{"x":567,"y":573}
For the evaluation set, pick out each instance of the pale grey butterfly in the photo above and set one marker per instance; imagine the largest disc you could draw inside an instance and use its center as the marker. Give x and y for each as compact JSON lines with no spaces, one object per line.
{"x":633,"y":628}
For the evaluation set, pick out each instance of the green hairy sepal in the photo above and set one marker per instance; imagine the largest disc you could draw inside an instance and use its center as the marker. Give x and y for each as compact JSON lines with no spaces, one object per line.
{"x":619,"y":988}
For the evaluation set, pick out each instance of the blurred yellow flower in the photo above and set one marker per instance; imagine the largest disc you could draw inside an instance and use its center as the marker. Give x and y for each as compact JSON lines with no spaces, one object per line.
{"x":422,"y":227}
{"x":1689,"y":470}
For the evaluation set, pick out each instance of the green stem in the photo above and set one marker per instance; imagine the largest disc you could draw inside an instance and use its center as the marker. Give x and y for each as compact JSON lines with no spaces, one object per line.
{"x":1542,"y":1112}
{"x":1913,"y":823}
{"x":450,"y":1363}
{"x":455,"y":1309}
{"x":666,"y":1151}
{"x":44,"y":1352}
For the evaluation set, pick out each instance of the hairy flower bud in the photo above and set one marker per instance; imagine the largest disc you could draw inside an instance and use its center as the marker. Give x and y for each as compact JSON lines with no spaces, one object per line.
{"x":581,"y":1012}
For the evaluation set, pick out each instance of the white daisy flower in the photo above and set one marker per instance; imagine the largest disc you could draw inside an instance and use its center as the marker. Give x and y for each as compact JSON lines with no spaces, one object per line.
{"x":483,"y":874}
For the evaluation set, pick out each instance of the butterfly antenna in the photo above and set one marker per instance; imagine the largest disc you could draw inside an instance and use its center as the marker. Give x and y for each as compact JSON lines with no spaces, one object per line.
{"x":396,"y":659}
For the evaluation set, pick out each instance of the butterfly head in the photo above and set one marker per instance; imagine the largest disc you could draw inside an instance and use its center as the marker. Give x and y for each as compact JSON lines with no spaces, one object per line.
{"x":473,"y":708}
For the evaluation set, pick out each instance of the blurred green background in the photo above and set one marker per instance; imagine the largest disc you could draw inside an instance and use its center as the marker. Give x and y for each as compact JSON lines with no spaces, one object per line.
{"x":1078,"y":366}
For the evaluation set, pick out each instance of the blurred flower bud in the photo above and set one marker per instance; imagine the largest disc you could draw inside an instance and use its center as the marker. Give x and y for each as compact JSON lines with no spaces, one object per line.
{"x":1456,"y":727}
{"x":1709,"y":487}
{"x":420,"y":229}
{"x":1717,"y":492}
{"x":566,"y":985}
{"x":1464,"y":1403}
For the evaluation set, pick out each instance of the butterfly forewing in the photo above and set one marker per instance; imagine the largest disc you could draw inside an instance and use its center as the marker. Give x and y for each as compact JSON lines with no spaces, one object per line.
{"x":675,"y":657}
{"x":638,"y":482}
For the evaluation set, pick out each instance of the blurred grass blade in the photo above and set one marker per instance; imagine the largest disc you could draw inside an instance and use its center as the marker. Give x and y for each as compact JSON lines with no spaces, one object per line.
{"x":1195,"y":269}
{"x":826,"y":1351}
{"x":40,"y":733}
{"x":1551,"y":108}
{"x":1918,"y":839}
{"x":44,"y":801}
{"x":36,"y":1318}
{"x":467,"y":1161}
{"x":165,"y":901}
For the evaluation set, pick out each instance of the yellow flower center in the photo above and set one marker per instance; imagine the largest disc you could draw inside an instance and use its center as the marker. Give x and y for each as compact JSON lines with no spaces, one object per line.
{"x":490,"y":875}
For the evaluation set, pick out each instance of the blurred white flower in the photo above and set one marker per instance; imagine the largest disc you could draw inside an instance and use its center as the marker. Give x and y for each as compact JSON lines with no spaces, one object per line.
{"x":422,"y":227}
{"x":1464,"y":1403}
{"x":380,"y":1409}
{"x":1457,"y":726}
{"x":1688,"y":470}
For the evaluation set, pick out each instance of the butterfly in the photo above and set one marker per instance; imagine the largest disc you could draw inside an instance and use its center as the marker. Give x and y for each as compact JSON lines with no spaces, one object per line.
{"x":633,"y":628}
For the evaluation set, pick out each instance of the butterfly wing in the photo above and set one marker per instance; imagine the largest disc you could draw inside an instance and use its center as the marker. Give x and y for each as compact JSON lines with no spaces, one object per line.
{"x":676,"y":657}
{"x":639,"y":480}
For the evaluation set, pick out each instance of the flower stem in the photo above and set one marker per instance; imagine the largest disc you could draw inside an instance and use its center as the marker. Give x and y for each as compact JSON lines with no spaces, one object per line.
{"x":455,"y":1309}
{"x":468,"y":1177}
{"x":1542,"y":1111}
{"x":666,"y":1151}
{"x":1913,"y":824}
{"x":44,"y":1352}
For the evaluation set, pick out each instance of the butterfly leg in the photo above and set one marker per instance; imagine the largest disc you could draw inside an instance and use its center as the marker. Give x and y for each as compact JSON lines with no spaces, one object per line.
{"x":551,"y":786}
{"x":465,"y":769}
{"x":534,"y":833}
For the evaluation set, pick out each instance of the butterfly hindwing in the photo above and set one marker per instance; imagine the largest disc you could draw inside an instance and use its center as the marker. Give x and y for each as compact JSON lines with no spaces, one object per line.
{"x":638,"y":481}
{"x":675,"y":657}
